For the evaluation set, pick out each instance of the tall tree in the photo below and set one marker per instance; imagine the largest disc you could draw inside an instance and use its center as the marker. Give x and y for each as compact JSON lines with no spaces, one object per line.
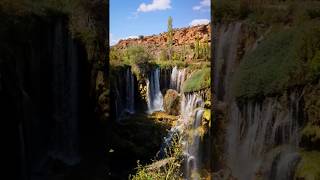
{"x":170,"y":36}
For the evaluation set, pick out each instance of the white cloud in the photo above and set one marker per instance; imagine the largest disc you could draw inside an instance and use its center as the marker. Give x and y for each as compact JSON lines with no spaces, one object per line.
{"x":196,"y":8}
{"x":132,"y":37}
{"x":203,"y":4}
{"x":113,"y":39}
{"x":196,"y":22}
{"x":155,"y":5}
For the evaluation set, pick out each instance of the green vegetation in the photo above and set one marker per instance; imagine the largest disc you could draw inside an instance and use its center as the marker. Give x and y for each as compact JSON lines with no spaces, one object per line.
{"x":286,"y":58}
{"x":166,"y":169}
{"x":308,"y":167}
{"x":198,"y":80}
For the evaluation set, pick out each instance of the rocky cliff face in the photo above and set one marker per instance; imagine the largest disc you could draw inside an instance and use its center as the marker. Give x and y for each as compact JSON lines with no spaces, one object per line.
{"x":183,"y":36}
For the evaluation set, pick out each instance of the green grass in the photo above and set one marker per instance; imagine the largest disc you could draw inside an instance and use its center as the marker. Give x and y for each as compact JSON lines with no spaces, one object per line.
{"x":199,"y":80}
{"x":286,"y":58}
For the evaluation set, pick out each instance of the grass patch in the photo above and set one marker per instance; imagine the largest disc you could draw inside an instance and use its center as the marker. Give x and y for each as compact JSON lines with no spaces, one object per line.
{"x":198,"y":80}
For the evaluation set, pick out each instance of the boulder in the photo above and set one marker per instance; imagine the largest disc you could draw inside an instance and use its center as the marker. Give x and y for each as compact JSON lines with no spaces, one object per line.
{"x":172,"y":102}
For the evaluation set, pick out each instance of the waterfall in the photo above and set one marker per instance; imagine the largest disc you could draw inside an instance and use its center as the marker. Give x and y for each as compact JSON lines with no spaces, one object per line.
{"x":124,"y":94}
{"x":129,"y":92}
{"x":227,"y":47}
{"x":177,"y":78}
{"x":257,"y":128}
{"x":65,"y":140}
{"x":155,"y":98}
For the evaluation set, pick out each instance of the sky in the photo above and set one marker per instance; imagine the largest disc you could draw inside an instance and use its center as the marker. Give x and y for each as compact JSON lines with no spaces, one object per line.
{"x":131,"y":18}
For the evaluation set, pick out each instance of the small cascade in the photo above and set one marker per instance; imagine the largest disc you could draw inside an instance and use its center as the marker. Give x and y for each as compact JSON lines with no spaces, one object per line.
{"x":177,"y":78}
{"x":188,"y":104}
{"x":256,"y":129}
{"x":155,"y":98}
{"x":129,"y":92}
{"x":192,"y":148}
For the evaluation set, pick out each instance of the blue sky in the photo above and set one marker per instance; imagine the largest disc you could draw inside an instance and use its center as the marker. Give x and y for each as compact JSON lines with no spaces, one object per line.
{"x":131,"y":18}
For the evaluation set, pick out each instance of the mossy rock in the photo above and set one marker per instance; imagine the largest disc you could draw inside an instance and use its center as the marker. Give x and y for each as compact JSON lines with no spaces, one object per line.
{"x":308,"y":167}
{"x":172,"y":102}
{"x":311,"y":136}
{"x":207,"y":104}
{"x":198,"y":80}
{"x":207,"y":115}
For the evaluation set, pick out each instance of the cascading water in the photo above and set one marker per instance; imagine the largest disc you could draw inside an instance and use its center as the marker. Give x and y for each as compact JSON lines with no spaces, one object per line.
{"x":226,"y":58}
{"x":192,"y":147}
{"x":155,"y":98}
{"x":257,"y":128}
{"x":177,"y":78}
{"x":65,"y":140}
{"x":188,"y":124}
{"x":130,"y":92}
{"x":124,"y":93}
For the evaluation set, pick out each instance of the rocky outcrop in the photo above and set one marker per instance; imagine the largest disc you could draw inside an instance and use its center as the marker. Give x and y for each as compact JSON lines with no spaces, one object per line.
{"x":183,"y":40}
{"x":182,"y":36}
